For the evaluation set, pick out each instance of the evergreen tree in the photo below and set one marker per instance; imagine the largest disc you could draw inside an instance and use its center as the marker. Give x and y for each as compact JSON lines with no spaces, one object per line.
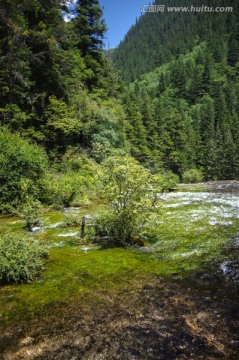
{"x":15,"y":72}
{"x":89,"y":30}
{"x":89,"y":27}
{"x":136,"y":130}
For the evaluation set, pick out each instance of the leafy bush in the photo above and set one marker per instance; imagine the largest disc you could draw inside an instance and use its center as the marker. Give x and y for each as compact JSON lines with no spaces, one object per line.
{"x":71,"y":182}
{"x":58,"y":188}
{"x":21,"y":259}
{"x":31,"y":212}
{"x":21,"y":167}
{"x":131,"y":193}
{"x":166,"y":181}
{"x":105,"y":131}
{"x":192,"y":176}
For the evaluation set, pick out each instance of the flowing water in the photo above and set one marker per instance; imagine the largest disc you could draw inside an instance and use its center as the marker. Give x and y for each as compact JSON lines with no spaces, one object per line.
{"x":193,"y":240}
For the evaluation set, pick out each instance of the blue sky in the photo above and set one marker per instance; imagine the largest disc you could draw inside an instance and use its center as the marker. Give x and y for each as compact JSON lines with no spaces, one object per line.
{"x":119,"y":15}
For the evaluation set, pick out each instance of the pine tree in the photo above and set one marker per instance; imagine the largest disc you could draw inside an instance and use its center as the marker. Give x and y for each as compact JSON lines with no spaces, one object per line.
{"x":49,"y":60}
{"x":89,"y":27}
{"x":15,"y":70}
{"x":136,"y":130}
{"x":149,"y":121}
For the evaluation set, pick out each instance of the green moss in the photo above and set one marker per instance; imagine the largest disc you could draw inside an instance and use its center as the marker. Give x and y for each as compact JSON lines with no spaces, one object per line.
{"x":179,"y":242}
{"x":70,"y":271}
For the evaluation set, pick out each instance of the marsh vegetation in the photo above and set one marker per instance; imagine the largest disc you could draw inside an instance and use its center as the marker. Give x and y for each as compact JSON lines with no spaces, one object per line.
{"x":174,"y":293}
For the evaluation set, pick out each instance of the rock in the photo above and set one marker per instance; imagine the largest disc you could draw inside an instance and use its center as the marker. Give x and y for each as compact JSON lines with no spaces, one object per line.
{"x":230,"y":269}
{"x":137,"y":241}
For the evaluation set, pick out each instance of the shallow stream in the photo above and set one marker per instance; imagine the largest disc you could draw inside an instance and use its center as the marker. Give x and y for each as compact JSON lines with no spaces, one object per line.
{"x":196,"y":234}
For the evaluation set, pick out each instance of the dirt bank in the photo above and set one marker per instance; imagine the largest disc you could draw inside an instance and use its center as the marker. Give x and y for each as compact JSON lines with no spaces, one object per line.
{"x":193,"y":319}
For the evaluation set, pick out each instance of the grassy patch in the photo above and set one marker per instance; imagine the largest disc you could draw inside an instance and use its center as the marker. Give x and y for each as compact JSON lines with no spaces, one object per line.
{"x":190,"y":231}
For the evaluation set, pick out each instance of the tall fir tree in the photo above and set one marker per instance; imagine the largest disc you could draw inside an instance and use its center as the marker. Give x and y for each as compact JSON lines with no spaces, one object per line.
{"x":89,"y":27}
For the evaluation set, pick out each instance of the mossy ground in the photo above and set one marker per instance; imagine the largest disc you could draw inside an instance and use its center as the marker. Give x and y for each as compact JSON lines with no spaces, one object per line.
{"x":190,"y":233}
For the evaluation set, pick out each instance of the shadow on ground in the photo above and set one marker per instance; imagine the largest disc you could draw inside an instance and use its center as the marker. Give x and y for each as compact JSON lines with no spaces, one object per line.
{"x":163,"y":319}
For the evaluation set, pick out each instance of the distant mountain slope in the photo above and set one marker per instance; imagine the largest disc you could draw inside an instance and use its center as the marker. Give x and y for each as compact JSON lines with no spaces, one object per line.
{"x":183,"y":73}
{"x":158,"y":38}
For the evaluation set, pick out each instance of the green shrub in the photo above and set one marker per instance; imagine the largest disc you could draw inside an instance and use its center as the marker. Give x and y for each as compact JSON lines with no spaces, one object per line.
{"x":192,"y":176}
{"x":21,"y":258}
{"x":31,"y":212}
{"x":131,"y":193}
{"x":107,"y":225}
{"x":166,"y":181}
{"x":71,"y":182}
{"x":58,"y":189}
{"x":21,"y":167}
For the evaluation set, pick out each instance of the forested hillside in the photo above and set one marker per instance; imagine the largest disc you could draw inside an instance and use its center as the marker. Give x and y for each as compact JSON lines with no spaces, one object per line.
{"x":183,"y":74}
{"x":60,"y":101}
{"x":64,"y":109}
{"x":158,"y":38}
{"x":56,"y":87}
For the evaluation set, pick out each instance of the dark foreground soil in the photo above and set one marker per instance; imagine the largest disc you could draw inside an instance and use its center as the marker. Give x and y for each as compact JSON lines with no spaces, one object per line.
{"x":197,"y":318}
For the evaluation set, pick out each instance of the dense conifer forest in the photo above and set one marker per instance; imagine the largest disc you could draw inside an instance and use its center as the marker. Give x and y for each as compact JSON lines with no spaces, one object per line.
{"x":168,"y":97}
{"x":182,"y":70}
{"x":59,"y":96}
